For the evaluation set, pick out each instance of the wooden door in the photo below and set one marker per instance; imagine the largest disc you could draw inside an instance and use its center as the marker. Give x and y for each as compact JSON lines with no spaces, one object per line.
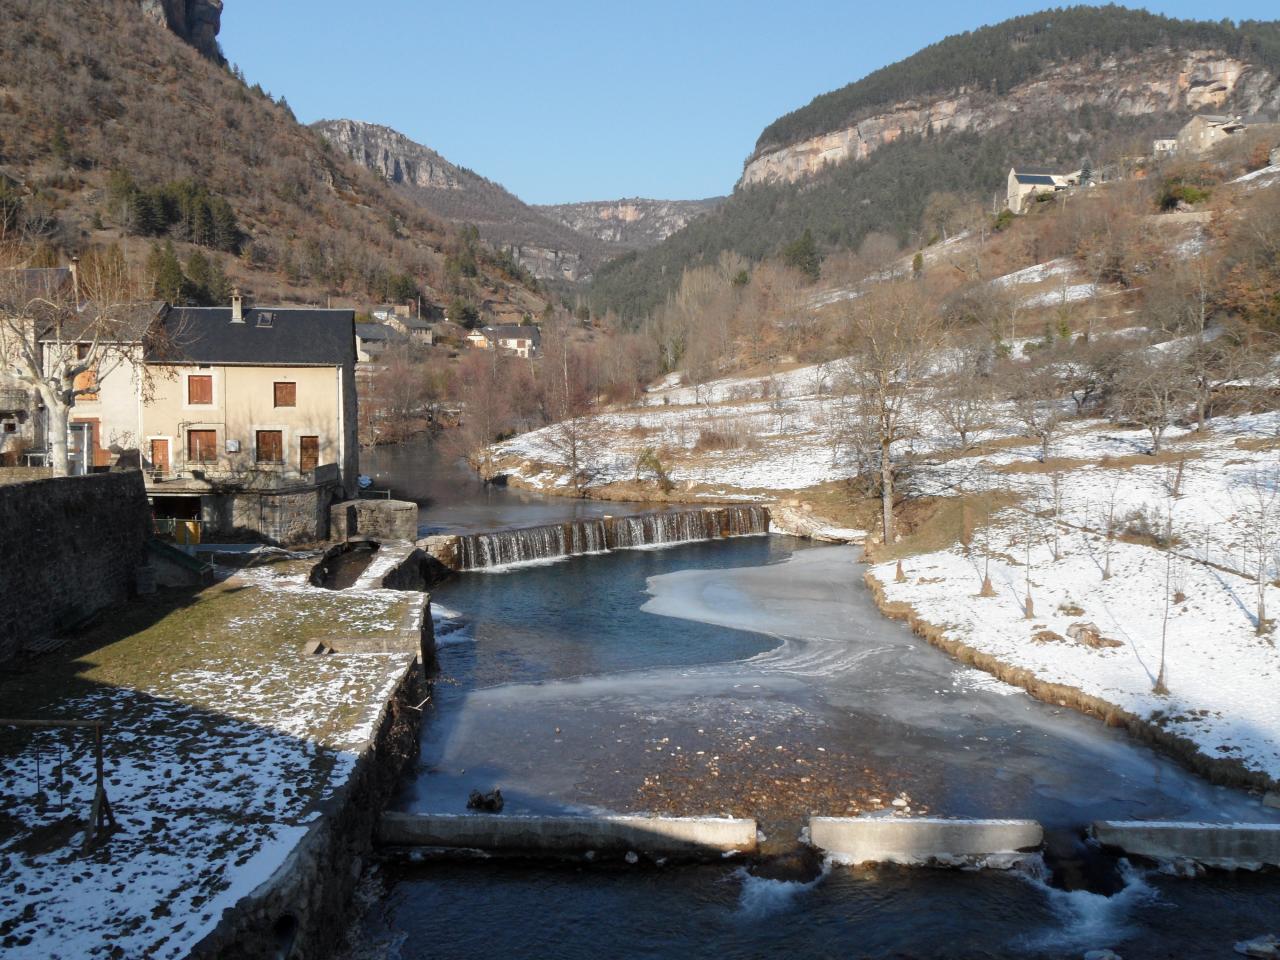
{"x":308,"y":453}
{"x":160,"y":455}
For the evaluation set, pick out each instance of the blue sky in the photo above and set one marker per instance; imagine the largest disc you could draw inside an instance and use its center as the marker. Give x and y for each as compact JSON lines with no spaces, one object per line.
{"x":591,"y":99}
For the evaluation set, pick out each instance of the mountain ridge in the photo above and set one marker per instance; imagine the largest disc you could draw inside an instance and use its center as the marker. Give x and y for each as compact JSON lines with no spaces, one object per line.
{"x":564,"y":242}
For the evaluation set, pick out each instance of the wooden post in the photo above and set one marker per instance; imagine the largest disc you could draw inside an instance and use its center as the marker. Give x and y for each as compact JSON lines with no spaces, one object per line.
{"x":100,"y":814}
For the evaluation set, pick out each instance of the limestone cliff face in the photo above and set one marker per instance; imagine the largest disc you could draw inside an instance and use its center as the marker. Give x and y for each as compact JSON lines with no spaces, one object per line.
{"x":392,"y":154}
{"x":195,"y":21}
{"x":1153,"y":83}
{"x":543,"y":246}
{"x":632,"y":224}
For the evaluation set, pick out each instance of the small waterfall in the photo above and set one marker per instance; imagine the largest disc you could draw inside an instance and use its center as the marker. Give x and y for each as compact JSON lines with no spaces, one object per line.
{"x":479,"y":551}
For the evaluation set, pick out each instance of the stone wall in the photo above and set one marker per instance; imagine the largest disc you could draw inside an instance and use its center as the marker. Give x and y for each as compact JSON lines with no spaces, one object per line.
{"x":303,"y":910}
{"x":71,"y":547}
{"x":10,"y":475}
{"x":379,"y":519}
{"x":280,"y":517}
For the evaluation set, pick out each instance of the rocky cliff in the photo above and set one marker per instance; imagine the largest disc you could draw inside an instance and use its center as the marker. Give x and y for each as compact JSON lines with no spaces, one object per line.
{"x":545,"y":247}
{"x":1156,"y":82}
{"x":195,"y":21}
{"x":631,"y":224}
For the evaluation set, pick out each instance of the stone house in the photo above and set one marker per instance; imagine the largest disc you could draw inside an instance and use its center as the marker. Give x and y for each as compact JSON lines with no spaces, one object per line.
{"x":1205,"y":131}
{"x":372,"y":339}
{"x":106,"y":420}
{"x":522,"y":340}
{"x":252,"y":422}
{"x":416,"y":329}
{"x":1026,"y":183}
{"x":1164,"y":145}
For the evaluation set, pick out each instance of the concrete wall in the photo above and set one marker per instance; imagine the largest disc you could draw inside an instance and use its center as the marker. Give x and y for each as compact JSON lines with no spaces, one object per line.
{"x":1230,"y":845}
{"x":920,"y":840}
{"x":379,"y":519}
{"x":71,"y":547}
{"x":655,"y":836}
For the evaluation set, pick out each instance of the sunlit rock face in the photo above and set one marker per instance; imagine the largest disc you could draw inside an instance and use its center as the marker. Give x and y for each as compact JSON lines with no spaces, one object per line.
{"x":1155,"y":83}
{"x":195,"y":21}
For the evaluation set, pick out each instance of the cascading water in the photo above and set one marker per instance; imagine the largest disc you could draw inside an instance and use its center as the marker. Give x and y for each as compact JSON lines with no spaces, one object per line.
{"x":486,"y":550}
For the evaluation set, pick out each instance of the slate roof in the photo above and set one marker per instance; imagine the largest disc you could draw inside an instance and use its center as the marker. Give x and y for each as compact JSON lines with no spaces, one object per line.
{"x":377,"y":331}
{"x":129,"y":324}
{"x":285,"y":336}
{"x":1035,"y":179}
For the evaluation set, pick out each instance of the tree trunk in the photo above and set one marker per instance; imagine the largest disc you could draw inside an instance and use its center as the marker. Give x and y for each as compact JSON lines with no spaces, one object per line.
{"x":886,"y":489}
{"x":57,"y":417}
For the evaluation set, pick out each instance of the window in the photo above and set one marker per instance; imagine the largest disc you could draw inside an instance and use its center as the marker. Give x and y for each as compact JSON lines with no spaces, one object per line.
{"x":199,"y":389}
{"x":308,"y":453}
{"x":286,"y":394}
{"x":202,"y":446}
{"x":270,"y":446}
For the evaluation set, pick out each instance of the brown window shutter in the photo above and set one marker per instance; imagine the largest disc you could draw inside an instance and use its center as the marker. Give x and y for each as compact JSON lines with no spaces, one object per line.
{"x":200,"y":389}
{"x":270,"y":446}
{"x":286,"y":394}
{"x":308,"y":453}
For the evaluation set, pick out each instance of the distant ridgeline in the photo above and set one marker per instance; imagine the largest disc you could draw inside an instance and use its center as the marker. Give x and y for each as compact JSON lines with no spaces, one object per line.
{"x":952,"y":118}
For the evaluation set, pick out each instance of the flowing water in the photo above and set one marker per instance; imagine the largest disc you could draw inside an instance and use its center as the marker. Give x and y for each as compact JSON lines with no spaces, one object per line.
{"x":754,"y":676}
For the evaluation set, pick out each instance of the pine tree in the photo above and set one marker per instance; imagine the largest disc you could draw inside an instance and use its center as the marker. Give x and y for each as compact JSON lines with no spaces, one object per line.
{"x":168,"y":280}
{"x":803,"y":255}
{"x":200,"y":275}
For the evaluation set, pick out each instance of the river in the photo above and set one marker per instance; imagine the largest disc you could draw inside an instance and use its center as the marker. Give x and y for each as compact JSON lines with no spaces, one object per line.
{"x":754,"y":676}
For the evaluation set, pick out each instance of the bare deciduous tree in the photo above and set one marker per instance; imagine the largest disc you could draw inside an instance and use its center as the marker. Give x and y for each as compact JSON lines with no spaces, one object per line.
{"x":62,"y":333}
{"x":1257,"y":520}
{"x":1037,"y":401}
{"x":1153,"y":390}
{"x":962,"y":396}
{"x":892,"y":332}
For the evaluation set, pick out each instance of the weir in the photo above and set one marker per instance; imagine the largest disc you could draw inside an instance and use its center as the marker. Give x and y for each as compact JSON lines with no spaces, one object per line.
{"x":478,"y":551}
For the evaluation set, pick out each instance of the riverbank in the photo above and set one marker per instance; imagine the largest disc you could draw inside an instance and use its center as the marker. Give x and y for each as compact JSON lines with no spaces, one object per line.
{"x":1218,"y":717}
{"x":242,"y":770}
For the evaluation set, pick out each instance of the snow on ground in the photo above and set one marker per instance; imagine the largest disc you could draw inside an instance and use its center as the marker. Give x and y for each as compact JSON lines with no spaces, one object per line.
{"x":1222,"y":678}
{"x":1061,"y":267}
{"x":223,"y":739}
{"x":1261,"y":178}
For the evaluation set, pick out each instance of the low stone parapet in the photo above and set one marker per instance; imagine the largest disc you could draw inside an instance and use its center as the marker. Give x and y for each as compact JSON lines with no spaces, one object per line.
{"x":379,"y":519}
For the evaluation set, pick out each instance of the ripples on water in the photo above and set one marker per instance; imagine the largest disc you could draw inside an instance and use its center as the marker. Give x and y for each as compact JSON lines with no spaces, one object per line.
{"x":561,"y":690}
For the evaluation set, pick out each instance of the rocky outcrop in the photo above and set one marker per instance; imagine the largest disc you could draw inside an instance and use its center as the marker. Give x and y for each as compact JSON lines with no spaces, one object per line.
{"x":630,"y":224}
{"x":1155,"y":83}
{"x":195,"y":21}
{"x":391,"y":154}
{"x":545,"y":247}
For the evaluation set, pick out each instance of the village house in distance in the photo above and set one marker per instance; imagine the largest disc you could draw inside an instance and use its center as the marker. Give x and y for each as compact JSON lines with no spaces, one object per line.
{"x":522,"y":340}
{"x":243,"y":419}
{"x":252,"y":424}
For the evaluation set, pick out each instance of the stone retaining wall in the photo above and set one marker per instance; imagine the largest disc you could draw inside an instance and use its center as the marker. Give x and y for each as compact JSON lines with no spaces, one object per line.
{"x":304,"y":908}
{"x":71,"y":547}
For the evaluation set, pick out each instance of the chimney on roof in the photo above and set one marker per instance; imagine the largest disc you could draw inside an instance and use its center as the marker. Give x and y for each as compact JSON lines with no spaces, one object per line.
{"x":237,"y":306}
{"x":75,"y":280}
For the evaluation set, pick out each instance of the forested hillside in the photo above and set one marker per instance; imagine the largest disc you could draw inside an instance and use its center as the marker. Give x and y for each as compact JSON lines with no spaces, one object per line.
{"x":115,"y":132}
{"x":1061,"y":88}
